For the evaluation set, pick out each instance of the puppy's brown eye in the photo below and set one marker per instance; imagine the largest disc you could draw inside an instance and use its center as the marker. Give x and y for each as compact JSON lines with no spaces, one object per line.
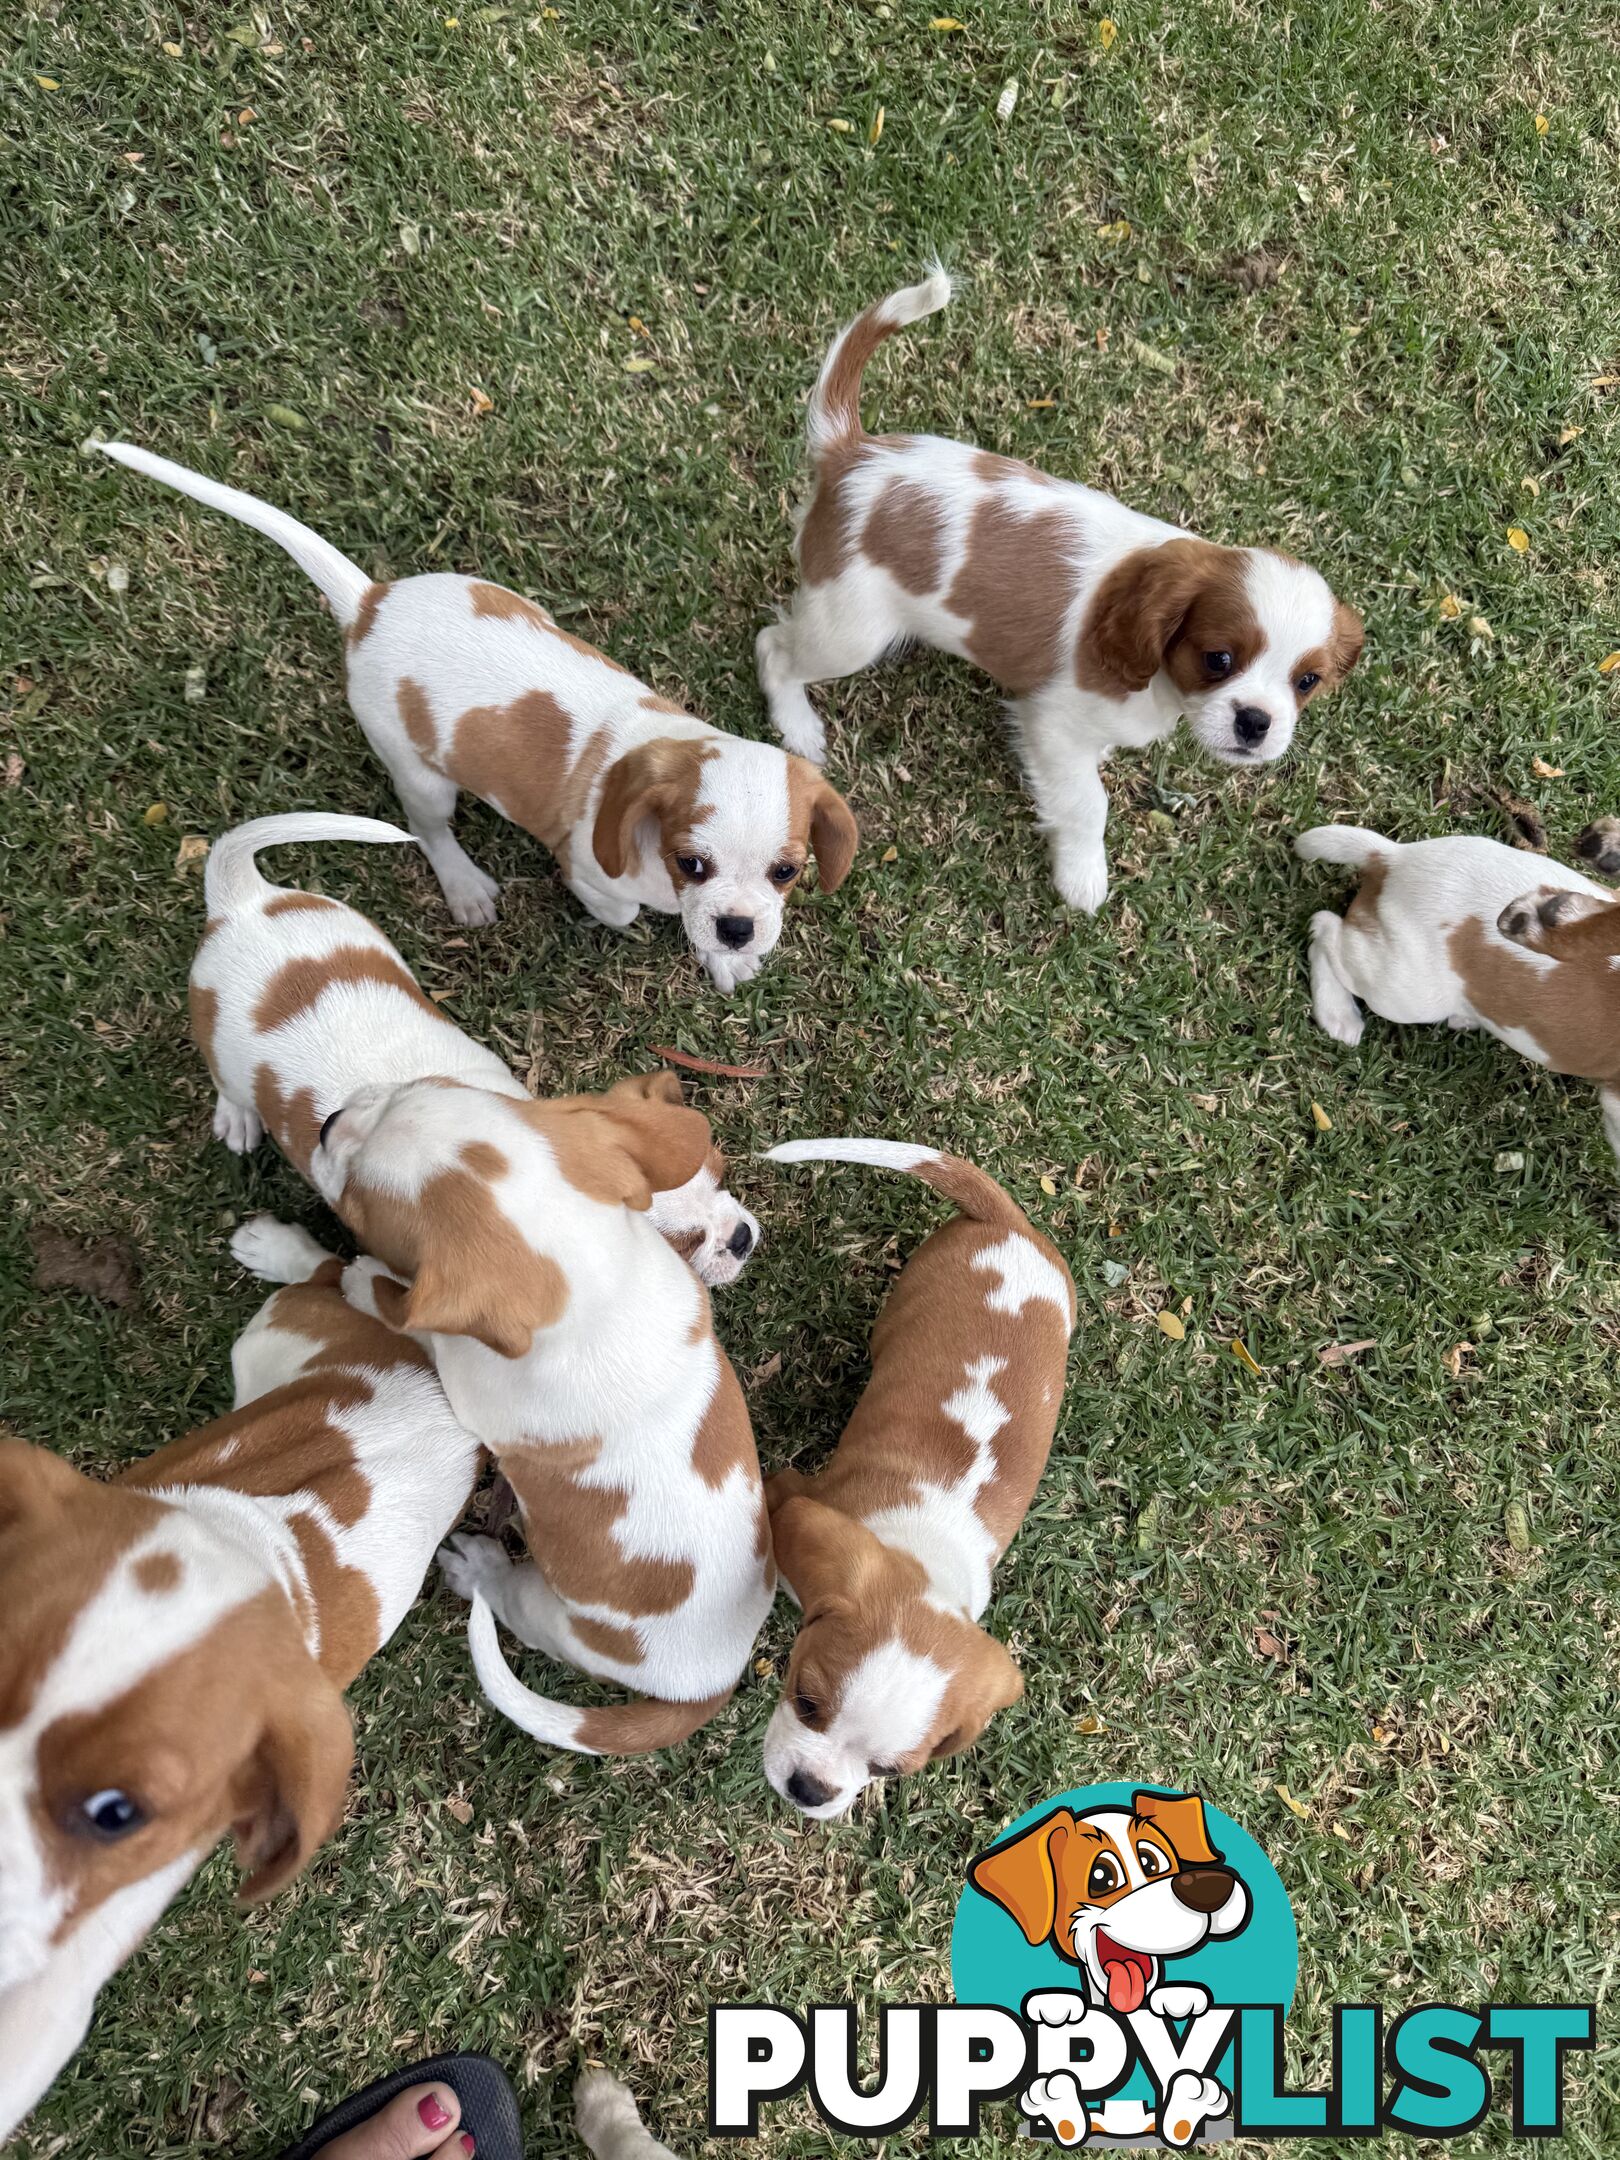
{"x":1306,"y":684}
{"x":1218,"y":665}
{"x":807,"y":1706}
{"x":692,"y":867}
{"x":783,"y":873}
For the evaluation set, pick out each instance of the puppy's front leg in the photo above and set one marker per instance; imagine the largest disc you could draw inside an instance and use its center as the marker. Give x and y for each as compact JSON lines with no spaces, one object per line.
{"x":610,"y":908}
{"x":1070,"y":802}
{"x":609,"y":2122}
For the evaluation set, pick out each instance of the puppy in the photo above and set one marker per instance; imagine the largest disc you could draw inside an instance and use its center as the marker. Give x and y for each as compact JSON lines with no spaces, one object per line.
{"x":1103,"y":626}
{"x":298,"y":1003}
{"x":1446,"y":930}
{"x":889,"y":1550}
{"x":458,"y":684}
{"x":176,"y":1642}
{"x":1119,"y":1892}
{"x":572,"y":1341}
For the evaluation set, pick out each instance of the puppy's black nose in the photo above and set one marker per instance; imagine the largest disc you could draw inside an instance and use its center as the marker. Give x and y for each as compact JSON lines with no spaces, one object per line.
{"x":803,"y":1791}
{"x":1203,"y":1889}
{"x":741,"y":1242}
{"x":735,"y":930}
{"x":1250,"y":724}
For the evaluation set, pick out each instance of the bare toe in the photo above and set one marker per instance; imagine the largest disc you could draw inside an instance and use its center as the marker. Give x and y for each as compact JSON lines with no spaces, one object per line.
{"x":418,"y":2124}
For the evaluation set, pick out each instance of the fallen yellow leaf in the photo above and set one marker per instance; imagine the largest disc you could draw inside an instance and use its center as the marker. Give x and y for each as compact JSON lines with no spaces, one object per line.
{"x":638,"y":367}
{"x":1608,"y":664}
{"x":1040,"y":404}
{"x":193,"y":847}
{"x":47,"y":82}
{"x":1240,"y":1350}
{"x":1171,"y":1326}
{"x":1107,"y":30}
{"x":1320,"y":1118}
{"x":1517,"y":539}
{"x":481,"y":400}
{"x":155,"y":813}
{"x":1542,"y":123}
{"x":874,"y":132}
{"x":638,"y":326}
{"x":1119,"y":230}
{"x":890,"y":854}
{"x":1599,"y":382}
{"x":839,"y":127}
{"x":945,"y":22}
{"x":173,"y":51}
{"x":764,"y":1667}
{"x":1450,"y":606}
{"x":1289,"y":1802}
{"x":1544,"y":771}
{"x":1089,"y":1724}
{"x":1530,"y":484}
{"x":1049,"y":1187}
{"x":1568,"y":435}
{"x":245,"y":115}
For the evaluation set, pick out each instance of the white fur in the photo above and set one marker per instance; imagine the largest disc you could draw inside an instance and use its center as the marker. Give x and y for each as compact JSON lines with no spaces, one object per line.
{"x":1064,"y":734}
{"x":230,"y":1546}
{"x":1400,"y":966}
{"x":426,"y":632}
{"x":610,"y":2124}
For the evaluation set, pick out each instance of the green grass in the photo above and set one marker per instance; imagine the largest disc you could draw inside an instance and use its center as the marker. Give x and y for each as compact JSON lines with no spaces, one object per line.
{"x":419,"y":208}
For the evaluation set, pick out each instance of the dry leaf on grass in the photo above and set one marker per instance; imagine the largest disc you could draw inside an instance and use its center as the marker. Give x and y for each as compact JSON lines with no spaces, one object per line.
{"x":1544,"y":771}
{"x":107,"y":1269}
{"x":1171,"y":1326}
{"x":460,"y":1809}
{"x":1241,"y":1351}
{"x":1339,"y":1353}
{"x":709,"y":1065}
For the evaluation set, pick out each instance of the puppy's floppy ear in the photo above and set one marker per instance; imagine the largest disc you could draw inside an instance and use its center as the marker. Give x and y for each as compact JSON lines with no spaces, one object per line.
{"x":289,"y":1795}
{"x":661,"y":1086}
{"x":459,"y":1291}
{"x":667,"y":1143}
{"x":825,"y":1556}
{"x":1022,"y":1875}
{"x":1348,"y":636}
{"x":35,"y":1482}
{"x":1137,"y":611}
{"x":986,"y":1681}
{"x":651,"y":781}
{"x":1181,"y":1817}
{"x":834,"y":836}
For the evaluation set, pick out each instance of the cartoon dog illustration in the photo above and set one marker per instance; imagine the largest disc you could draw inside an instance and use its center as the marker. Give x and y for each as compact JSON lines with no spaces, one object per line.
{"x":1118,"y":1891}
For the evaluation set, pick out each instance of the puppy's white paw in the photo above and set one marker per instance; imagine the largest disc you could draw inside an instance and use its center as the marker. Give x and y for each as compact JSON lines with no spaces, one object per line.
{"x":1056,"y":2006}
{"x":276,"y":1251}
{"x":470,"y":1563}
{"x":241,"y":1130}
{"x":1081,"y":880}
{"x":1183,"y":1999}
{"x":1339,"y":1016}
{"x":1190,"y":2101}
{"x":608,"y":2120}
{"x":1058,"y":2100}
{"x":360,"y":1280}
{"x":474,"y":905}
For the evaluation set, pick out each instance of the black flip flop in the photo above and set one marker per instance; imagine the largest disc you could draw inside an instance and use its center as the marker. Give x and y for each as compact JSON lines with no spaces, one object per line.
{"x":489,"y":2108}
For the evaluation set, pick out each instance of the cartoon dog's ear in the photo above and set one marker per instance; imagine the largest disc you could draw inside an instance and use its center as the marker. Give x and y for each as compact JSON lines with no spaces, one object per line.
{"x":1181,"y":1817}
{"x":1022,"y":1877}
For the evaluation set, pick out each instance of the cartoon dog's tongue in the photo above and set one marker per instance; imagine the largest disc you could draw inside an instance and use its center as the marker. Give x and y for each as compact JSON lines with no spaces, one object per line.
{"x":1126,"y":1973}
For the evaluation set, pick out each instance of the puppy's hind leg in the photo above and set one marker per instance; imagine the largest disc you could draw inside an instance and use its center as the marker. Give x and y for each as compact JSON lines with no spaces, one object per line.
{"x":829,"y":631}
{"x":429,"y":802}
{"x":1333,"y":1005}
{"x":609,"y":2122}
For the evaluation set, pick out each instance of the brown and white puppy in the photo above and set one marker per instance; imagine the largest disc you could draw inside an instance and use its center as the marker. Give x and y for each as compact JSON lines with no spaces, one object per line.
{"x":176,"y":1642}
{"x":1103,"y":626}
{"x":1446,"y":930}
{"x":571,"y":1339}
{"x":299,"y":1004}
{"x":889,"y":1549}
{"x":459,"y":684}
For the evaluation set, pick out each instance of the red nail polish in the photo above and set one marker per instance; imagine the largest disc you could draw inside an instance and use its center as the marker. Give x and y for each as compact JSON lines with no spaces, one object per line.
{"x":434,"y":2116}
{"x":469,"y":2144}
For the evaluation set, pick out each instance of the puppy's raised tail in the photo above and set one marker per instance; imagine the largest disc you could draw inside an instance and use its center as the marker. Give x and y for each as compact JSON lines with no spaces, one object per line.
{"x":835,"y":402}
{"x":969,"y":1189}
{"x":344,"y":583}
{"x":233,"y":880}
{"x":1353,"y":844}
{"x":632,"y":1728}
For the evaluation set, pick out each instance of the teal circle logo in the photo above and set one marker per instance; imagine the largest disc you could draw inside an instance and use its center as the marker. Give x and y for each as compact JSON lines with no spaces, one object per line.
{"x":1113,"y":1917}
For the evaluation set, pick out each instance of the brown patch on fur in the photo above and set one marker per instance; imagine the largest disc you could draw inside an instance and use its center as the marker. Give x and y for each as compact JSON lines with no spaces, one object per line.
{"x":365,"y":615}
{"x":416,"y":716}
{"x":572,"y":1528}
{"x":292,"y":1121}
{"x":659,"y":779}
{"x":298,"y":984}
{"x":725,"y":1439}
{"x":996,"y":471}
{"x":1142,"y":606}
{"x":281,"y":1444}
{"x":1018,"y":578}
{"x":640,"y":1727}
{"x":622,"y":1644}
{"x":684,"y":1243}
{"x":820,"y":821}
{"x":1331,"y":662}
{"x":204,"y":1008}
{"x":1364,"y":906}
{"x":348,"y":1618}
{"x":494,"y":603}
{"x":475,"y":1272}
{"x":826,"y":539}
{"x":517,"y":757}
{"x":297,"y":903}
{"x":157,"y":1574}
{"x":622,"y":1147}
{"x":905,"y":535}
{"x":343,"y":1335}
{"x":1571,"y":1010}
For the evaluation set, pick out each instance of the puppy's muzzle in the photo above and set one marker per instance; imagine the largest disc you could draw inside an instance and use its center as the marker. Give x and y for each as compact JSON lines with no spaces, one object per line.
{"x":1203,"y":1889}
{"x":1251,"y":725}
{"x":741,"y":1242}
{"x":734,"y":930}
{"x":804,"y":1791}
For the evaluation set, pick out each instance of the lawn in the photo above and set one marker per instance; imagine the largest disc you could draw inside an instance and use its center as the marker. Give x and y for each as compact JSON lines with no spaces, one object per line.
{"x":539,"y":293}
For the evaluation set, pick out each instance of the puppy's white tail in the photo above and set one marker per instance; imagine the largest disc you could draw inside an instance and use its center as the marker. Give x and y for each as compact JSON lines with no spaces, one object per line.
{"x":1353,"y":844}
{"x":632,"y":1728}
{"x":344,"y":583}
{"x":835,"y":402}
{"x":232,"y":879}
{"x":968,"y":1188}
